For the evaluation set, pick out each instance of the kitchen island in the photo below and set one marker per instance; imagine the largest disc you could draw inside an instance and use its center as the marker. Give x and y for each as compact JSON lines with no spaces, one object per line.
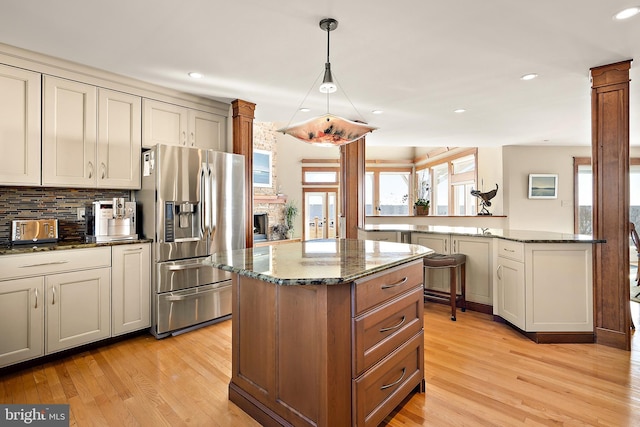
{"x":325,"y":332}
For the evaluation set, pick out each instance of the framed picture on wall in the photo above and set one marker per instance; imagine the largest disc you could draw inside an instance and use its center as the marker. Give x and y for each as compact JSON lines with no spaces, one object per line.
{"x":262,"y":168}
{"x":543,"y":186}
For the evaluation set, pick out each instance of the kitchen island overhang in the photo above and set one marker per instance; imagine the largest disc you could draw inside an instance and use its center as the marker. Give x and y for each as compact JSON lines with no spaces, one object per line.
{"x":326,"y":332}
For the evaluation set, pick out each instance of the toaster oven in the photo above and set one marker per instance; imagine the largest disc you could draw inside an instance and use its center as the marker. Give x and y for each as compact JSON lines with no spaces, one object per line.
{"x":34,"y":231}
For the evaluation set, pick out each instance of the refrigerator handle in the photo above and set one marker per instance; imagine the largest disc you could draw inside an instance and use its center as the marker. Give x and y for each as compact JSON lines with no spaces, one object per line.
{"x":212,"y":199}
{"x":203,"y":206}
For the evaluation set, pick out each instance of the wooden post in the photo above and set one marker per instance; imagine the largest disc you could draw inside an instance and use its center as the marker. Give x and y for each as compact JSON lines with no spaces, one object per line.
{"x":352,"y":173}
{"x":610,"y":154}
{"x":243,"y":114}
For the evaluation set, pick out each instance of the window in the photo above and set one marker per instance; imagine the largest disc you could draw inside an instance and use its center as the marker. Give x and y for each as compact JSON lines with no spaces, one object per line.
{"x":261,"y":168}
{"x":386,"y":191}
{"x":314,"y":176}
{"x":583,"y":194}
{"x":453,"y":179}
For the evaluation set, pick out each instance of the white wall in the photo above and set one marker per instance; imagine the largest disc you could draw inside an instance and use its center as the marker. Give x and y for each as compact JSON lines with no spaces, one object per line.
{"x":539,"y":214}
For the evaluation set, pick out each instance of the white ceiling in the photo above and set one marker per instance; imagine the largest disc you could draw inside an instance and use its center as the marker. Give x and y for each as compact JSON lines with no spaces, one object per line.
{"x":417,"y":60}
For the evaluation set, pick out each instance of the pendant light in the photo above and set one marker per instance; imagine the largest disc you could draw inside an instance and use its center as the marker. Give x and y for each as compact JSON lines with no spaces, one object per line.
{"x":328,"y":129}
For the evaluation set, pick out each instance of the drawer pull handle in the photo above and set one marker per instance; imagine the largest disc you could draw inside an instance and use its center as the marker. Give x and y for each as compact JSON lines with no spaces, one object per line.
{"x":499,"y":271}
{"x":509,"y":250}
{"x":401,"y":282}
{"x":53,"y":292}
{"x":36,"y":292}
{"x":44,"y":263}
{"x":384,"y":387}
{"x":394,"y":326}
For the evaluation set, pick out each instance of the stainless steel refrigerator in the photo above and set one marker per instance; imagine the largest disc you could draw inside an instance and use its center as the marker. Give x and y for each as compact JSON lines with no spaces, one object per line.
{"x":192,"y":205}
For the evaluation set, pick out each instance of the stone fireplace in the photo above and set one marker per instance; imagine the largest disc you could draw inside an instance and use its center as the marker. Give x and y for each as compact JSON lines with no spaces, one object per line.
{"x":260,"y":227}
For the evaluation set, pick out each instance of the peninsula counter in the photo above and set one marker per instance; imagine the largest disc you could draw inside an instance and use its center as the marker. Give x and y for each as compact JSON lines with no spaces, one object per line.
{"x":540,"y":282}
{"x":325,"y":332}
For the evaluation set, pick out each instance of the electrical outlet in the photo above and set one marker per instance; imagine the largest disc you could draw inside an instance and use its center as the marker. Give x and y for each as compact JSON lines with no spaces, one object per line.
{"x":81,"y":212}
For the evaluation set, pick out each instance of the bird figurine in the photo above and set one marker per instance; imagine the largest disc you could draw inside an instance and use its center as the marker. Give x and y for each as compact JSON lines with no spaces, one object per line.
{"x":485,"y":199}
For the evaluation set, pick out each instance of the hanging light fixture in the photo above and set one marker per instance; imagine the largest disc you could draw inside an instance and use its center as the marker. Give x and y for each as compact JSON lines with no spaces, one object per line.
{"x":328,"y":129}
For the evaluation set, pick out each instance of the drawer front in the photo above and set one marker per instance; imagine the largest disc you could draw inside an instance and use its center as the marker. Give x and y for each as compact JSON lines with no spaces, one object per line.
{"x":511,"y":250}
{"x":50,"y":262}
{"x":381,"y":287}
{"x":383,"y":387}
{"x":383,"y":329}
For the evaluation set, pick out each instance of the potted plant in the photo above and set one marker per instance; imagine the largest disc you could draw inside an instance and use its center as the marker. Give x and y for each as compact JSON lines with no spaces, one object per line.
{"x":421,"y":202}
{"x":421,"y":206}
{"x":290,"y":213}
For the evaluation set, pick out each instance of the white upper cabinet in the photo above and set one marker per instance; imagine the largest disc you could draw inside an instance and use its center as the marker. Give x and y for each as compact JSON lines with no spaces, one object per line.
{"x":91,"y":136}
{"x":164,"y":124}
{"x":69,"y":133}
{"x":119,"y":139}
{"x":19,"y":126}
{"x":171,"y":124}
{"x":207,"y":130}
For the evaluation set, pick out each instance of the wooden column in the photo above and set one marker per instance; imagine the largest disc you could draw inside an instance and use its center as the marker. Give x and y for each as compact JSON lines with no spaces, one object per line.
{"x":243,"y":114}
{"x":610,"y":154}
{"x":352,"y":172}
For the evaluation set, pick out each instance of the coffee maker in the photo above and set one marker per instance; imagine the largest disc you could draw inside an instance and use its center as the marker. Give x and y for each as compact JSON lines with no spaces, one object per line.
{"x":109,"y":220}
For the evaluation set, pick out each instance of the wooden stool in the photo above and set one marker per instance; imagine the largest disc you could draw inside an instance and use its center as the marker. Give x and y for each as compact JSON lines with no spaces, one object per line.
{"x":452,"y":262}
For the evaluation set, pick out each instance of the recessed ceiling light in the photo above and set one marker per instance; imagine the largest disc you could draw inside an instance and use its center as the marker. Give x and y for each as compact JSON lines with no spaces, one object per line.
{"x":305,"y":110}
{"x":627,"y":13}
{"x":195,"y":75}
{"x":377,"y":111}
{"x":459,"y":110}
{"x":530,"y":76}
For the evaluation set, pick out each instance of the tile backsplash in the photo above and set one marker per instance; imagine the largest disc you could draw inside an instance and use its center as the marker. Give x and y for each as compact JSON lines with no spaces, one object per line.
{"x":48,"y":202}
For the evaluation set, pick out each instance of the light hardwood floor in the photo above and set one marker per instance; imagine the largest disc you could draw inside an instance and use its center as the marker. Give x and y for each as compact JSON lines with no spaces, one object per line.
{"x":478,"y":373}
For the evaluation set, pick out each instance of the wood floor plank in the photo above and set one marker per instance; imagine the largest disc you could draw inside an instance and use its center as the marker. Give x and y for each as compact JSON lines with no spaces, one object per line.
{"x":478,"y":373}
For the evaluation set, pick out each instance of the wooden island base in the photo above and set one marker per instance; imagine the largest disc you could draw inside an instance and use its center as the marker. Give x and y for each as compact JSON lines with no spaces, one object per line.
{"x":328,"y":354}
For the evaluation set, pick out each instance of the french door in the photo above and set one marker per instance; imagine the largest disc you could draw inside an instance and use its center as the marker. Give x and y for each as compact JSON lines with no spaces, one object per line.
{"x":320,"y":215}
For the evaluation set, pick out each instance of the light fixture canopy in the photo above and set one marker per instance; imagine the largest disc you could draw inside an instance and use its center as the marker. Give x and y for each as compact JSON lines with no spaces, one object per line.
{"x":328,"y":129}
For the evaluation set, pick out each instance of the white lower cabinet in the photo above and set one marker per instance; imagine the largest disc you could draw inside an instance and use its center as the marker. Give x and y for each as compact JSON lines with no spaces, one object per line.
{"x":56,"y":300}
{"x":130,"y":288}
{"x":510,"y":292}
{"x":545,"y":287}
{"x":78,"y":309}
{"x":21,"y":320}
{"x":479,"y":252}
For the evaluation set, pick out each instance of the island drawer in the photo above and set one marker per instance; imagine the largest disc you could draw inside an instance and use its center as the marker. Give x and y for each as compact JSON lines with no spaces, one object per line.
{"x":51,"y":262}
{"x":380,"y":331}
{"x":373,"y":290}
{"x":383,"y":387}
{"x":511,"y":250}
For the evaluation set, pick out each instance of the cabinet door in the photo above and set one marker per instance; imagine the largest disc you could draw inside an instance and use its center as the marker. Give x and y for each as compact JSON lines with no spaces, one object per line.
{"x":207,"y":131}
{"x":21,"y":320}
{"x":510,"y":289}
{"x":479,"y":271}
{"x":78,"y":308}
{"x":69,"y":133}
{"x":131,"y":288}
{"x":19,"y":127}
{"x":119,"y":139}
{"x":164,"y":123}
{"x":435,"y":279}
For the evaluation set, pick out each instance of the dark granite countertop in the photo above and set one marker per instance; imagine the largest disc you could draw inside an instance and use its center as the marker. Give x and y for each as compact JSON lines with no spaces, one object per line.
{"x":317,"y":262}
{"x":63,"y":245}
{"x":525,"y":236}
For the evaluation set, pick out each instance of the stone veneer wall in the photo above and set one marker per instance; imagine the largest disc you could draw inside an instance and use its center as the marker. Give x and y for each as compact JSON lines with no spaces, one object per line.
{"x":50,"y":203}
{"x":264,"y":138}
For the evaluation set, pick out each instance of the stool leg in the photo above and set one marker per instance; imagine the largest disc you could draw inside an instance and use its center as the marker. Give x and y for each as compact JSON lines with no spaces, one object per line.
{"x":452,"y":291}
{"x":463,"y":280}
